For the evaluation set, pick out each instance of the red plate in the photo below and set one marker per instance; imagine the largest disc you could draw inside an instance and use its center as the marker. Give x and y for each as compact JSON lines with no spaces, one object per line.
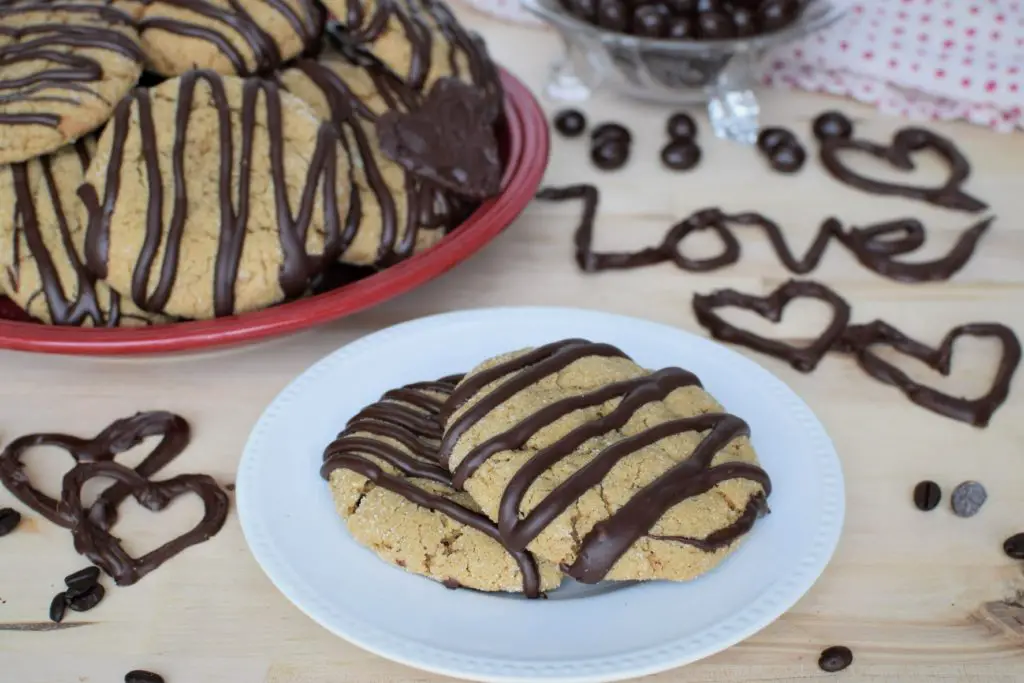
{"x":525,"y":149}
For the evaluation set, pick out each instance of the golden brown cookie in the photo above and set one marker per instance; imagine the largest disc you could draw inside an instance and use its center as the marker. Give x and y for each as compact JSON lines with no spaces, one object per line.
{"x":398,"y":501}
{"x":64,"y":64}
{"x":211,"y":195}
{"x":41,"y":241}
{"x":597,"y":465}
{"x":238,"y":37}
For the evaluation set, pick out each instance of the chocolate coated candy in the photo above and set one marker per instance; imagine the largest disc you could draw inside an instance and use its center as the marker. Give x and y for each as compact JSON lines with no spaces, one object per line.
{"x":710,"y":5}
{"x":681,"y":126}
{"x":681,"y":8}
{"x":87,"y":600}
{"x":650,"y":21}
{"x":744,"y":21}
{"x":610,"y":154}
{"x":680,"y":155}
{"x":584,"y":9}
{"x":1014,"y":546}
{"x":835,"y":658}
{"x":682,"y":28}
{"x":927,"y":495}
{"x":968,"y":498}
{"x":140,"y":676}
{"x":570,"y":122}
{"x":613,"y":15}
{"x":770,"y":138}
{"x":9,"y":520}
{"x":832,"y":124}
{"x":83,"y":579}
{"x":775,"y":14}
{"x":716,"y":25}
{"x":606,"y":131}
{"x":58,"y":606}
{"x":788,"y":158}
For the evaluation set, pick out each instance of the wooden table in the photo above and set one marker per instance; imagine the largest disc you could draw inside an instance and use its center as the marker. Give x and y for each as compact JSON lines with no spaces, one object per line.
{"x":913,"y":594}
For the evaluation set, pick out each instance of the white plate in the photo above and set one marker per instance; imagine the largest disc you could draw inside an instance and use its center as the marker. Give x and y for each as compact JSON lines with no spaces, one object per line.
{"x":602,"y":635}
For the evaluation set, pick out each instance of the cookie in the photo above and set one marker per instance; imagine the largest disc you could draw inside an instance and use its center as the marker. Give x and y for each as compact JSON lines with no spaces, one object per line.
{"x":601,"y":467}
{"x":237,"y":37}
{"x":40,"y":244}
{"x":63,"y":67}
{"x":398,"y":501}
{"x":212,"y":195}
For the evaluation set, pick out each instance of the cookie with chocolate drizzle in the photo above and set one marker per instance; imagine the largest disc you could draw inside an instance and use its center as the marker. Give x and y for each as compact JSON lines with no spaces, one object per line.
{"x":398,"y":501}
{"x":598,"y":465}
{"x":64,"y":65}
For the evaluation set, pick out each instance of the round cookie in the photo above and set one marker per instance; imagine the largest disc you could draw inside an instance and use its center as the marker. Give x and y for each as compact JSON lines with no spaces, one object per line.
{"x":398,"y":501}
{"x":238,"y":37}
{"x":64,"y":65}
{"x":40,"y":243}
{"x":211,"y":195}
{"x":601,"y":467}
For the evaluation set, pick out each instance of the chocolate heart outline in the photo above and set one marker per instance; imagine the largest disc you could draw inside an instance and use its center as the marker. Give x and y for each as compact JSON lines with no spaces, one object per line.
{"x":104,"y":549}
{"x":118,"y":437}
{"x":772,"y":307}
{"x":898,"y":153}
{"x":858,"y":339}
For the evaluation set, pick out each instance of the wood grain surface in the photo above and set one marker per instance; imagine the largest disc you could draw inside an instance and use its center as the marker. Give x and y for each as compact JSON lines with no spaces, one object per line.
{"x":918,"y":597}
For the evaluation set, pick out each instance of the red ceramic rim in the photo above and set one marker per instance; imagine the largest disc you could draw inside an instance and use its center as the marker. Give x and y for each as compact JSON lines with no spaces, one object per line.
{"x":527,"y":140}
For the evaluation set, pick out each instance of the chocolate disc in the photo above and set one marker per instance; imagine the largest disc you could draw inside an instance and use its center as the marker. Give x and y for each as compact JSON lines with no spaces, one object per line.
{"x":835,"y":658}
{"x":570,"y":122}
{"x":610,"y":154}
{"x":770,"y":138}
{"x":789,"y":157}
{"x":606,"y":131}
{"x":832,"y":124}
{"x":680,"y":155}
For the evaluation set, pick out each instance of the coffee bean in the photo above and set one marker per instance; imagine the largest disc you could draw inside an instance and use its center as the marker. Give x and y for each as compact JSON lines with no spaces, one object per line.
{"x":682,"y":8}
{"x":927,"y":495}
{"x":584,"y":9}
{"x":610,"y":154}
{"x":968,"y":498}
{"x":58,"y":606}
{"x":1014,"y":546}
{"x":83,"y":579}
{"x":743,"y":20}
{"x":716,"y":25}
{"x":607,"y":131}
{"x":140,"y":676}
{"x":650,"y":21}
{"x":87,"y":600}
{"x":680,"y":155}
{"x":570,"y":122}
{"x":613,"y":15}
{"x":788,"y":158}
{"x":9,"y":520}
{"x":681,"y":126}
{"x":832,"y":124}
{"x":775,"y":14}
{"x":770,"y":138}
{"x":835,"y":658}
{"x":682,"y":28}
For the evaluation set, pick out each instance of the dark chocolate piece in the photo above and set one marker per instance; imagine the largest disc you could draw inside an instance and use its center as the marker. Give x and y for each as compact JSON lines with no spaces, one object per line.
{"x":650,"y":21}
{"x":775,"y":14}
{"x":858,"y":339}
{"x":448,"y":140}
{"x":1014,"y":546}
{"x":829,"y":229}
{"x":788,"y":157}
{"x":745,"y":22}
{"x":682,"y":8}
{"x":802,"y":358}
{"x":105,"y":550}
{"x":58,"y":608}
{"x":874,"y":247}
{"x":613,"y":15}
{"x":832,"y":124}
{"x":140,"y":676}
{"x":835,"y":658}
{"x":451,"y":584}
{"x":122,"y":435}
{"x":87,"y":599}
{"x":610,"y":154}
{"x":703,"y":219}
{"x":771,"y":138}
{"x":682,"y":28}
{"x":927,"y":495}
{"x":897,"y":153}
{"x":608,"y":131}
{"x":716,"y":25}
{"x":83,"y":579}
{"x":680,"y":155}
{"x":570,"y":122}
{"x":681,"y":126}
{"x":9,"y":520}
{"x":967,"y":499}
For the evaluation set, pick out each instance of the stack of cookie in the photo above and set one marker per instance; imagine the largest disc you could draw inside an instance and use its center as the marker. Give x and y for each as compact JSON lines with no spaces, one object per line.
{"x":563,"y":460}
{"x":189,"y":159}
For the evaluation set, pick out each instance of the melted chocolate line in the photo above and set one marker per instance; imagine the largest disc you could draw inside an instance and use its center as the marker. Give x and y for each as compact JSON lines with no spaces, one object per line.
{"x":830,"y":228}
{"x":754,"y":510}
{"x":407,"y":465}
{"x":416,"y":397}
{"x":413,"y":420}
{"x":394,"y":429}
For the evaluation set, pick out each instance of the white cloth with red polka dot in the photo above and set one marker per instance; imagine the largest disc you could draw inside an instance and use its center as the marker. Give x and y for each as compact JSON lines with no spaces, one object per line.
{"x":920,"y":59}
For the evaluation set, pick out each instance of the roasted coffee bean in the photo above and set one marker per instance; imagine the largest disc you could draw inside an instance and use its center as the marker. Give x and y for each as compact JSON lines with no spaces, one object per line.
{"x":584,"y":9}
{"x":927,"y":495}
{"x":613,"y":15}
{"x":744,"y":22}
{"x":680,"y":155}
{"x":87,"y":600}
{"x":835,"y":658}
{"x":682,"y":28}
{"x":607,"y":131}
{"x":83,"y":579}
{"x":770,"y":138}
{"x":1014,"y":546}
{"x":140,"y":676}
{"x":968,"y":498}
{"x":570,"y":122}
{"x":58,"y":606}
{"x":650,"y":21}
{"x":9,"y":520}
{"x":610,"y":155}
{"x":682,"y":8}
{"x":832,"y":124}
{"x":716,"y":25}
{"x":775,"y":14}
{"x":681,"y":126}
{"x":787,"y":158}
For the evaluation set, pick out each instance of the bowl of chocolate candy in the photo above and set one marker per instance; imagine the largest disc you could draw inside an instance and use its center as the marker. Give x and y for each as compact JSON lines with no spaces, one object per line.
{"x":677,"y":51}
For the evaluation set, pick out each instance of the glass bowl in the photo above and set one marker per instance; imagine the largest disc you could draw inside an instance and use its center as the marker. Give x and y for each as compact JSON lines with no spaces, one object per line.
{"x":722,"y":73}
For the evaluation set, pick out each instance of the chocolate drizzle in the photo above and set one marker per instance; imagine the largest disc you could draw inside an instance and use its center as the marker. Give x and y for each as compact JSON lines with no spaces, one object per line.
{"x":898,"y":153}
{"x":408,"y":416}
{"x":292,"y":227}
{"x":609,"y":539}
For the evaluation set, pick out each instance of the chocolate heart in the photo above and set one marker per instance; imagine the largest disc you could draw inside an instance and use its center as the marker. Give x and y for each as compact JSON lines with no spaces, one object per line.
{"x":448,"y":139}
{"x":771,"y":307}
{"x":859,"y":339}
{"x":105,"y":550}
{"x":121,"y":436}
{"x":905,"y":142}
{"x":874,"y":249}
